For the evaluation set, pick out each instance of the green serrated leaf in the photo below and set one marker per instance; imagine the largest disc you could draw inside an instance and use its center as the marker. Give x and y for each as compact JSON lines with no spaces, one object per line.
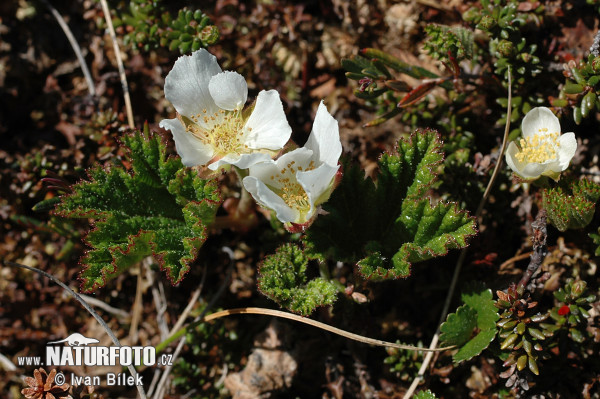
{"x":283,"y":279}
{"x":475,"y":346}
{"x":572,"y":203}
{"x":458,"y":327}
{"x":387,"y":226}
{"x":157,"y":208}
{"x":479,"y":300}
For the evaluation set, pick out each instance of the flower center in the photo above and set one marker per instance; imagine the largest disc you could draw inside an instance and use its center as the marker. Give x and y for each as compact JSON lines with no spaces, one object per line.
{"x":292,"y":193}
{"x":223,"y":130}
{"x":539,"y":148}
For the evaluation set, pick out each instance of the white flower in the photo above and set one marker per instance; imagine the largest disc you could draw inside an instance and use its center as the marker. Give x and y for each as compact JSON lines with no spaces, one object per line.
{"x":542,"y":150}
{"x":295,"y":184}
{"x":210,"y":126}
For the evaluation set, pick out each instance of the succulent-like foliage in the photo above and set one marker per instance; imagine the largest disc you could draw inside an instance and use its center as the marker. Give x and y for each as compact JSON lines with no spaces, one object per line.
{"x":571,"y":314}
{"x":571,"y":204}
{"x":473,"y":326}
{"x":283,"y":279}
{"x":443,"y":42}
{"x":387,"y":225}
{"x":404,"y":363}
{"x":508,"y":26}
{"x":148,"y":24}
{"x":149,"y":205}
{"x":503,"y":21}
{"x":521,"y":329}
{"x":580,"y":91}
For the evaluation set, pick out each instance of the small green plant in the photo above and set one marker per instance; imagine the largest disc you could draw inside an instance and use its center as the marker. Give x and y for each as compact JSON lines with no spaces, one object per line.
{"x":580,"y":90}
{"x":404,"y":364}
{"x":444,"y":42}
{"x":148,"y":24}
{"x":521,"y":330}
{"x":572,"y":203}
{"x":283,"y":279}
{"x":572,"y":312}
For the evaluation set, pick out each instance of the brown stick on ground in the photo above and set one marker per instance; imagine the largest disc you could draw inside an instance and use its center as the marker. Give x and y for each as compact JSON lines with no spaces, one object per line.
{"x":540,"y":250}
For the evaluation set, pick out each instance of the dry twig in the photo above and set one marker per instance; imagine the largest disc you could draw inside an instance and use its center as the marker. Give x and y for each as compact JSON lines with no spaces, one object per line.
{"x":75,"y":46}
{"x":122,"y":76}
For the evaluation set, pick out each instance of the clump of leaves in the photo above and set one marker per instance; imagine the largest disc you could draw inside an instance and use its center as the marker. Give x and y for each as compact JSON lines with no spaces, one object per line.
{"x":373,"y":71}
{"x":148,"y":24}
{"x":283,"y":278}
{"x":473,"y":327}
{"x":147,"y":205}
{"x":444,"y":42}
{"x":503,"y":21}
{"x":386,"y":225}
{"x":521,"y":330}
{"x":572,"y":203}
{"x":404,"y":363}
{"x":580,"y":91}
{"x":508,"y":48}
{"x":571,"y":314}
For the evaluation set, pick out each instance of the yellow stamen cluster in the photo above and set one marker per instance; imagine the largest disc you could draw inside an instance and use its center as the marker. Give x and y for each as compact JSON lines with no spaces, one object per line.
{"x":222,"y":130}
{"x":290,"y":190}
{"x":539,"y":148}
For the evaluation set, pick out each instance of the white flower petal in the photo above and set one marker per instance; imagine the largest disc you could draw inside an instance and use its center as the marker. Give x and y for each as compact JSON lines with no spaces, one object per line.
{"x":567,"y":145}
{"x":525,"y":170}
{"x":186,"y":86}
{"x":264,"y":170}
{"x":316,"y":183}
{"x":324,"y":138}
{"x":268,"y":199}
{"x":539,"y":118}
{"x":301,"y":156}
{"x":511,"y":160}
{"x":191,"y":150}
{"x":243,"y":161}
{"x":229,"y":90}
{"x":532,"y":170}
{"x":269,"y":126}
